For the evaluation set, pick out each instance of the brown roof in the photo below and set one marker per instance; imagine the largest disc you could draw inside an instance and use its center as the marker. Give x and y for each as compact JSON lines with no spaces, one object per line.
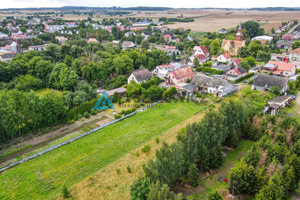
{"x":296,"y":51}
{"x":234,"y":43}
{"x":142,"y":75}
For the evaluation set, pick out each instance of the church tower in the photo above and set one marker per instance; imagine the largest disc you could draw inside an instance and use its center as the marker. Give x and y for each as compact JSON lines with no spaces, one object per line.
{"x":239,"y":34}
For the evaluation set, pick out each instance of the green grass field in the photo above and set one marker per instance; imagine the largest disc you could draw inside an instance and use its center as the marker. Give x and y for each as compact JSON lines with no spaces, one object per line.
{"x":43,"y":177}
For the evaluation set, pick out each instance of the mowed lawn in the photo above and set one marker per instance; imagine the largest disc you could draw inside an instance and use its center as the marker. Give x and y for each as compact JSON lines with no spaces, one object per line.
{"x":44,"y":176}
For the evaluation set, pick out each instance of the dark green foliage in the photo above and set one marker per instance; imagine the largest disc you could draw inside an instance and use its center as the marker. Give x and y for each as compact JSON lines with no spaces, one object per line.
{"x":275,"y":90}
{"x":261,"y":179}
{"x":65,"y":192}
{"x":193,"y":177}
{"x":244,"y":78}
{"x":204,"y":159}
{"x":162,"y":192}
{"x":216,"y":156}
{"x":214,"y":195}
{"x":128,"y":169}
{"x":82,"y":108}
{"x":146,"y":148}
{"x":115,"y":97}
{"x":86,"y":114}
{"x":232,"y":139}
{"x":273,"y":190}
{"x":252,"y":156}
{"x":209,"y":70}
{"x":140,"y":189}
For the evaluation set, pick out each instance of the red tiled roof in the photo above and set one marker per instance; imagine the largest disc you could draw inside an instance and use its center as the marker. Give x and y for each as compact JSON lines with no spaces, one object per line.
{"x":227,"y":55}
{"x":168,"y":35}
{"x":200,"y":57}
{"x":204,"y":49}
{"x":283,"y":66}
{"x":237,"y":71}
{"x":182,"y":73}
{"x":277,"y":72}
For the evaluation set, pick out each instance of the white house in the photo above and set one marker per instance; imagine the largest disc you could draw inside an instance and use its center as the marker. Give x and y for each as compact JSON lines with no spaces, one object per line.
{"x":226,"y":57}
{"x":140,"y":76}
{"x":162,"y":70}
{"x":201,"y":50}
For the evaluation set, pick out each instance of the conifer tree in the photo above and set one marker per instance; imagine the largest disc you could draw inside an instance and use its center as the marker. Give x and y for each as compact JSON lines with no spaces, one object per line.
{"x":193,"y":177}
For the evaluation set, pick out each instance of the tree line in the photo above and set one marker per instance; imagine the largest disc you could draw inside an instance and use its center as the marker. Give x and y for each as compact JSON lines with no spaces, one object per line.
{"x":198,"y":146}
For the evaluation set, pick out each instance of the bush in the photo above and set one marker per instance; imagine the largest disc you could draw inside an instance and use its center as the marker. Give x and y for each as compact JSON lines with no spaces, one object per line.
{"x":93,"y":112}
{"x":72,"y":121}
{"x":118,"y":171}
{"x":117,"y":116}
{"x":86,"y":115}
{"x":214,"y":195}
{"x":65,"y":192}
{"x":244,"y":78}
{"x":137,"y":154}
{"x":126,"y":112}
{"x":79,"y":116}
{"x":157,"y":140}
{"x":129,"y":168}
{"x":140,"y":189}
{"x":146,"y":148}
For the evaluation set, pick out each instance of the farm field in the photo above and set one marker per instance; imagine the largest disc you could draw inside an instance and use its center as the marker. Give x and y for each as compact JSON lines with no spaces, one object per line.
{"x":210,"y":20}
{"x":43,"y":177}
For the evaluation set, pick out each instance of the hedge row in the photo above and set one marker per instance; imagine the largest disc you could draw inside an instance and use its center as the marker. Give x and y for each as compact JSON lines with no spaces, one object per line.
{"x":81,"y":109}
{"x":244,"y":78}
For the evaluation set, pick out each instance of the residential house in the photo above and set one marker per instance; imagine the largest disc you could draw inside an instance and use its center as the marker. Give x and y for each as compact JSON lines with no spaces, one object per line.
{"x":222,"y":31}
{"x":120,"y":91}
{"x":162,"y":70}
{"x":219,"y":87}
{"x":7,"y":57}
{"x":167,"y":38}
{"x":37,"y":48}
{"x":287,"y":37}
{"x":127,"y":45}
{"x":140,"y":76}
{"x":281,"y":68}
{"x":179,"y":76}
{"x":232,"y":46}
{"x":147,"y":34}
{"x":201,"y":58}
{"x":235,"y":62}
{"x":236,"y":73}
{"x":170,"y":50}
{"x":130,"y":33}
{"x":295,"y":55}
{"x":225,"y":58}
{"x":263,"y":39}
{"x":264,"y":82}
{"x":201,"y":50}
{"x":61,"y":39}
{"x":277,"y":103}
{"x":281,"y":44}
{"x":222,"y":67}
{"x":90,"y":40}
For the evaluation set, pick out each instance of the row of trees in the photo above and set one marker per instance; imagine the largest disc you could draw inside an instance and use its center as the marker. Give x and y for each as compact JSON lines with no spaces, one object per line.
{"x":199,"y":144}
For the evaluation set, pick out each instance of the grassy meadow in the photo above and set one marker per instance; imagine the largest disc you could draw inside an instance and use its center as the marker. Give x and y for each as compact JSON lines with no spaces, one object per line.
{"x":44,"y":176}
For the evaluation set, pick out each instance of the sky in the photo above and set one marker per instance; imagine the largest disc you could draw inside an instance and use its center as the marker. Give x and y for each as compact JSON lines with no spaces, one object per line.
{"x":159,"y":3}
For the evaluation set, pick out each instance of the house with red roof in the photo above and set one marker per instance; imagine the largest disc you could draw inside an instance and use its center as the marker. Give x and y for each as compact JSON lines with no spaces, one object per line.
{"x":176,"y":40}
{"x":201,"y":58}
{"x":201,"y":50}
{"x":225,"y":58}
{"x":167,"y":38}
{"x":295,"y":55}
{"x":179,"y":76}
{"x":288,"y":37}
{"x":162,"y":70}
{"x":236,"y":73}
{"x":281,"y":68}
{"x":235,"y":62}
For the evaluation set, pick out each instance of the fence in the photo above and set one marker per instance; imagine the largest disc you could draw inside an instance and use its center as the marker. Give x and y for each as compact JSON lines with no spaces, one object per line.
{"x":76,"y":138}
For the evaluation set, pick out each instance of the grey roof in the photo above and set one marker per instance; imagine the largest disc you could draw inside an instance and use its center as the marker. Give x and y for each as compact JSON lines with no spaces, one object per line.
{"x":222,"y":67}
{"x":142,"y":75}
{"x":268,"y":81}
{"x":280,"y":99}
{"x":242,"y":70}
{"x":117,"y":90}
{"x":7,"y":56}
{"x":275,"y":106}
{"x":208,"y":81}
{"x":189,"y":87}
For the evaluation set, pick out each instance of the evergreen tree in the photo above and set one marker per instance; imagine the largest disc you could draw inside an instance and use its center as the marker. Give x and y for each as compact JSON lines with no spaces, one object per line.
{"x":162,"y":192}
{"x":262,"y":178}
{"x":273,"y":190}
{"x":252,"y":156}
{"x":203,"y":160}
{"x":193,"y":178}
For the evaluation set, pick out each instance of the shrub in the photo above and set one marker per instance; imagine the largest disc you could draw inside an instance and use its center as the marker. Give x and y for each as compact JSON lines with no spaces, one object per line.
{"x":137,"y":154}
{"x":146,"y":148}
{"x":65,"y":192}
{"x":86,"y":115}
{"x":157,"y":140}
{"x":79,"y":116}
{"x":140,"y":189}
{"x":117,"y":116}
{"x":244,"y":78}
{"x":118,"y":171}
{"x":72,"y":121}
{"x":129,"y":168}
{"x":214,"y":195}
{"x":93,"y":112}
